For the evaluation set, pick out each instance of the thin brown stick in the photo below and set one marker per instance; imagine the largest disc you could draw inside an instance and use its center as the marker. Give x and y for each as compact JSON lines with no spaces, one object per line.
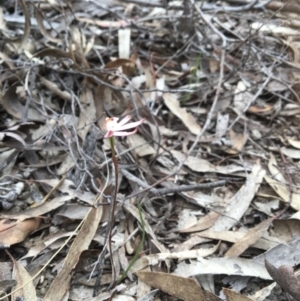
{"x":113,"y":209}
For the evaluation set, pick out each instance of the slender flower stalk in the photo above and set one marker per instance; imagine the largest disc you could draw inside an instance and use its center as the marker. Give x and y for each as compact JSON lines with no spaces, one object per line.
{"x":115,"y":128}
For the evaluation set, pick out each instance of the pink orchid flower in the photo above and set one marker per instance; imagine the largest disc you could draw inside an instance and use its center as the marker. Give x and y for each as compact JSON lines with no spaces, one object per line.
{"x":115,"y":128}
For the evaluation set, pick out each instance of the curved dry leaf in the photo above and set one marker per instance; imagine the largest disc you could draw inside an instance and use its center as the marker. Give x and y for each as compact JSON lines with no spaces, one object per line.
{"x":104,"y":23}
{"x":78,"y":38}
{"x":202,"y":165}
{"x":61,"y":283}
{"x":140,"y":145}
{"x":41,"y":131}
{"x":267,"y":207}
{"x":129,"y":230}
{"x":203,"y":199}
{"x":175,"y":286}
{"x":274,"y":28}
{"x":14,"y":233}
{"x":265,"y":109}
{"x":277,"y":86}
{"x":89,"y":46}
{"x":291,"y":109}
{"x":294,"y":143}
{"x":65,"y":166}
{"x":155,"y":259}
{"x":4,"y":58}
{"x":134,"y":211}
{"x":120,"y":62}
{"x":160,"y":86}
{"x":27,"y":292}
{"x":286,"y":278}
{"x":108,"y":100}
{"x":286,"y":195}
{"x":235,"y":296}
{"x":264,"y":243}
{"x":87,"y":114}
{"x":227,"y":266}
{"x":65,"y":187}
{"x":54,"y":88}
{"x":144,"y":291}
{"x":188,"y":119}
{"x":291,"y":152}
{"x":263,"y":293}
{"x":43,"y":30}
{"x":6,"y":285}
{"x":150,"y":84}
{"x":238,"y":141}
{"x":241,"y":97}
{"x":221,"y":127}
{"x":289,"y":42}
{"x":286,"y":253}
{"x":58,"y":53}
{"x":286,"y":229}
{"x":155,"y":132}
{"x":42,"y":209}
{"x":188,"y":244}
{"x":3,"y":26}
{"x":274,"y":170}
{"x":204,"y":222}
{"x":240,"y":202}
{"x":53,"y":52}
{"x":15,"y":135}
{"x":73,"y":211}
{"x":186,"y":219}
{"x":52,"y":238}
{"x":100,"y":93}
{"x":6,"y":224}
{"x":124,"y":42}
{"x":214,"y":64}
{"x":13,"y":106}
{"x":6,"y":158}
{"x":20,"y":43}
{"x":249,"y":239}
{"x":19,"y":125}
{"x":50,"y":242}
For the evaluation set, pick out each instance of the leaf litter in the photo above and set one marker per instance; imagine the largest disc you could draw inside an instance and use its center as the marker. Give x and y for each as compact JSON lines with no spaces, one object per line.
{"x":214,"y":167}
